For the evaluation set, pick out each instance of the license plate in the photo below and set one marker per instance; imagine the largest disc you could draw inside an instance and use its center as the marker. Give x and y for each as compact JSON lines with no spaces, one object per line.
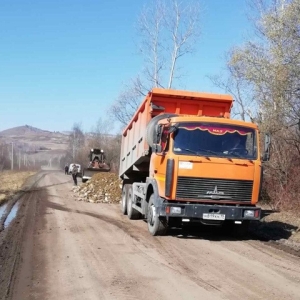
{"x":213,"y":217}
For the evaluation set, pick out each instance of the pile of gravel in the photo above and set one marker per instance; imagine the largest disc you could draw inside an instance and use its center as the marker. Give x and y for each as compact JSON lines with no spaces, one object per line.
{"x":102,"y":188}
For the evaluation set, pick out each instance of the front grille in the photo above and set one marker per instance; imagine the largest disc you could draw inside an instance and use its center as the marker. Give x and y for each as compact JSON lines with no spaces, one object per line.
{"x":214,"y":189}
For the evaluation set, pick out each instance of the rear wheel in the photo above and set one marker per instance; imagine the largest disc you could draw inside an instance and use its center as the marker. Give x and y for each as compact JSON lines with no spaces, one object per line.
{"x":124,"y":199}
{"x":156,"y":226}
{"x":132,"y":213}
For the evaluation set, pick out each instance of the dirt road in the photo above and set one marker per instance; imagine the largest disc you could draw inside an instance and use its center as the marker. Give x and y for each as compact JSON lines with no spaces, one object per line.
{"x":59,"y":248}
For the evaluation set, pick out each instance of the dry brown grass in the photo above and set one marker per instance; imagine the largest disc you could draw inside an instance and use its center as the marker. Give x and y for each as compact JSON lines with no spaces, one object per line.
{"x":11,"y":182}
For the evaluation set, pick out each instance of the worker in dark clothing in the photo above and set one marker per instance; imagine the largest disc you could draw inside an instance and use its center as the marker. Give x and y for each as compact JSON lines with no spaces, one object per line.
{"x":66,"y":169}
{"x":74,"y":174}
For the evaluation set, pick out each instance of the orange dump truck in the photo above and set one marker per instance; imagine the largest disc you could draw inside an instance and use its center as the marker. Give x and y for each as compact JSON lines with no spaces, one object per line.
{"x":184,"y":160}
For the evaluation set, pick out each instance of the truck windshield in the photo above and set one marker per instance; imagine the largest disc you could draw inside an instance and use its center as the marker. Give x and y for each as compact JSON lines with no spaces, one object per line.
{"x":218,"y":140}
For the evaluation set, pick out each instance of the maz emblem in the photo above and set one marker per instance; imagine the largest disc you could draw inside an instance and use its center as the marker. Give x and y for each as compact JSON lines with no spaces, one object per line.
{"x":214,"y":192}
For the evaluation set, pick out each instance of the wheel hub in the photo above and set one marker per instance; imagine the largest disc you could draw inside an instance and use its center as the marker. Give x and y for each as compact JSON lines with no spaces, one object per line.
{"x":151,"y":214}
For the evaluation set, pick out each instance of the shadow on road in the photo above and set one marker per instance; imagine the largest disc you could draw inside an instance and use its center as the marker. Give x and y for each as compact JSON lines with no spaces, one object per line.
{"x":260,"y":231}
{"x":106,"y":219}
{"x":272,"y":231}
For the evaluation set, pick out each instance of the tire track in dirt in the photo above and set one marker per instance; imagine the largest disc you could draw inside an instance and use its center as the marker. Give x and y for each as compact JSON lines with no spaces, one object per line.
{"x":29,"y":187}
{"x":91,"y":251}
{"x":175,"y":262}
{"x":112,"y":279}
{"x":179,"y":266}
{"x":11,"y":238}
{"x":120,"y":284}
{"x":178,"y":258}
{"x":169,"y":255}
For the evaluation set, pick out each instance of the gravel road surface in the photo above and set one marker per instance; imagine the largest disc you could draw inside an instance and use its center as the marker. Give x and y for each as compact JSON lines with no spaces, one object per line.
{"x":59,"y":248}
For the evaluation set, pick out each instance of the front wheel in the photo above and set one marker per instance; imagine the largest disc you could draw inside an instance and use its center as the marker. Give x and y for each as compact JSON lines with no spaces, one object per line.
{"x":156,"y":226}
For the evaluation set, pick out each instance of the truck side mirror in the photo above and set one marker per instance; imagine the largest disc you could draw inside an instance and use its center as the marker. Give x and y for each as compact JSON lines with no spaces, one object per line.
{"x":173,"y":128}
{"x":157,"y":134}
{"x":267,"y":143}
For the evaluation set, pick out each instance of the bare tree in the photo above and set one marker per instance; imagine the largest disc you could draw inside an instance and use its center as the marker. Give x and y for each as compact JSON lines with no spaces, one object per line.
{"x":183,"y":24}
{"x":76,"y":140}
{"x":168,"y":30}
{"x":234,"y":84}
{"x":267,"y":66}
{"x":113,"y":152}
{"x":100,"y":134}
{"x":4,"y":157}
{"x":102,"y":128}
{"x":100,"y":137}
{"x":150,"y":25}
{"x":271,"y":63}
{"x":126,"y":104}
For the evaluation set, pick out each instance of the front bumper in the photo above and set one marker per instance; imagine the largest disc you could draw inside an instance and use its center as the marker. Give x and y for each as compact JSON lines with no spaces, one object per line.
{"x":196,"y":211}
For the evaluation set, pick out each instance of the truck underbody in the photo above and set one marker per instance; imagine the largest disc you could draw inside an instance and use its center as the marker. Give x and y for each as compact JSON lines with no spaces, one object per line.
{"x":141,"y":201}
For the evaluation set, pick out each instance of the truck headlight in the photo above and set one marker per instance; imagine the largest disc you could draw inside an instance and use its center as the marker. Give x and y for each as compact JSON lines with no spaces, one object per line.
{"x":175,"y":210}
{"x":249,"y":213}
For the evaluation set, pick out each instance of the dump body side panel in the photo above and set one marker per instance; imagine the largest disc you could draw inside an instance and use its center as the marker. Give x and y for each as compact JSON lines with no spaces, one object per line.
{"x":134,"y":147}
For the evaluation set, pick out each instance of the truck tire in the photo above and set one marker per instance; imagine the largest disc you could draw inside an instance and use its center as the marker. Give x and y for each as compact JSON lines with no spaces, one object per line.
{"x":124,"y":199}
{"x":132,"y":213}
{"x":156,"y":226}
{"x":151,"y":127}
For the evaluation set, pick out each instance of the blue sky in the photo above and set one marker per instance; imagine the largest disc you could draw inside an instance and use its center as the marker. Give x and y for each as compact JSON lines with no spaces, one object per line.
{"x":65,"y":61}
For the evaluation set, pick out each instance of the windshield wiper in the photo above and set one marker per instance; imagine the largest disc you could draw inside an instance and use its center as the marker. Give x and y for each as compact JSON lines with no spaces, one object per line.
{"x":189,"y":150}
{"x":208,"y":151}
{"x":197,"y":153}
{"x":235,"y":154}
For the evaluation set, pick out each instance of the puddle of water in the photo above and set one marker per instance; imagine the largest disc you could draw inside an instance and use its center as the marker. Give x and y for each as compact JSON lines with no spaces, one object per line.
{"x":2,"y":210}
{"x":12,"y":214}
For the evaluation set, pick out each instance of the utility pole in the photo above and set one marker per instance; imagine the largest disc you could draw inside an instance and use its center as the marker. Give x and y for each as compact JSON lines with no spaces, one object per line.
{"x":74,"y":145}
{"x":12,"y":156}
{"x":19,"y":159}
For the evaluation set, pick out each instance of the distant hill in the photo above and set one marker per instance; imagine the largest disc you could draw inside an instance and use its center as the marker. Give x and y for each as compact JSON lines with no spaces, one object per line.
{"x":34,"y":147}
{"x":29,"y":138}
{"x":25,"y":130}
